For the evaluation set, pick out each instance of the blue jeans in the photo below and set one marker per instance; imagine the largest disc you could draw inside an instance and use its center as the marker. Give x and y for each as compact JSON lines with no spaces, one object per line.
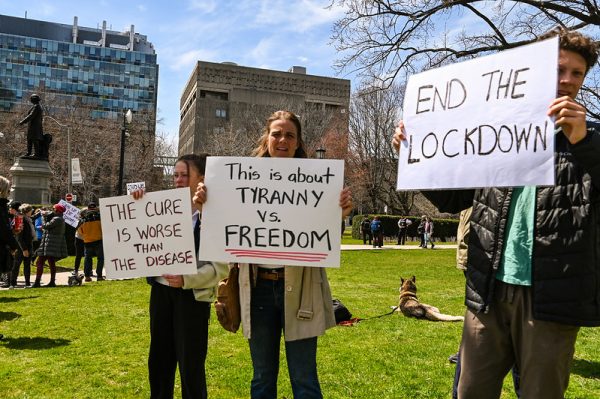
{"x":93,"y":249}
{"x":267,"y":318}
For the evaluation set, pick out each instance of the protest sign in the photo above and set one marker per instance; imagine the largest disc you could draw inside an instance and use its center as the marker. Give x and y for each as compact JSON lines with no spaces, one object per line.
{"x":151,"y":236}
{"x":279,"y":211}
{"x":131,"y":187}
{"x":71,"y":215}
{"x":481,"y":123}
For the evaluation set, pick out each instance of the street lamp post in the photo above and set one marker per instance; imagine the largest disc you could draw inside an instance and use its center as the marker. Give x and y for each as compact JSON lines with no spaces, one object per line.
{"x":127,"y":116}
{"x":69,"y":171}
{"x":320,"y":152}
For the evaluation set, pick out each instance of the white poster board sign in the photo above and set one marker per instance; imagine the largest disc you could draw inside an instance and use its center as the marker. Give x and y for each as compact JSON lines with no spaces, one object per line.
{"x":76,"y":177}
{"x":481,"y":123}
{"x":278,"y":211}
{"x":71,"y":215}
{"x":148,"y":237}
{"x":131,"y":187}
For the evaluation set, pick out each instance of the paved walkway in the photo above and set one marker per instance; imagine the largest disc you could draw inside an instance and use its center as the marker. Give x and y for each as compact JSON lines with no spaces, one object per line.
{"x":62,"y":278}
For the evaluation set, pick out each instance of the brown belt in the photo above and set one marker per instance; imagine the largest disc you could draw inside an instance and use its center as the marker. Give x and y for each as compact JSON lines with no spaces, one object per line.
{"x":271,"y":274}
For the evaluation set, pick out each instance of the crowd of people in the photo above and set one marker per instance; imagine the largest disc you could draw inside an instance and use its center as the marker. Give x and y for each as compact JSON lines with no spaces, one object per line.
{"x":532,"y":267}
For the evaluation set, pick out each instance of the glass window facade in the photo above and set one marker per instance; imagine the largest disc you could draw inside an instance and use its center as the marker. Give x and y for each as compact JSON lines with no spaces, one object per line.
{"x":110,"y":80}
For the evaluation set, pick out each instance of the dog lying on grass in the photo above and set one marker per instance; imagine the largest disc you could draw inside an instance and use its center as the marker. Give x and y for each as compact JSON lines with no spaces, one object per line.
{"x":410,"y":306}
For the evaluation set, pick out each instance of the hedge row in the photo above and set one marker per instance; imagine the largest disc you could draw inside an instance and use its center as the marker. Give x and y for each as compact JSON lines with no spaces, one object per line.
{"x":443,"y":229}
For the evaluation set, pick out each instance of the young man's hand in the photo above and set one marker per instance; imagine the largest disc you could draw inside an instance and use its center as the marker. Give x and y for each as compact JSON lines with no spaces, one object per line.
{"x":570,"y":116}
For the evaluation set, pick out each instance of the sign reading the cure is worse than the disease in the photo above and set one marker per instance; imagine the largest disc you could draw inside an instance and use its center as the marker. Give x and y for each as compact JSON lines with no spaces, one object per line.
{"x":481,"y":123}
{"x":151,"y":236}
{"x":272,"y":211}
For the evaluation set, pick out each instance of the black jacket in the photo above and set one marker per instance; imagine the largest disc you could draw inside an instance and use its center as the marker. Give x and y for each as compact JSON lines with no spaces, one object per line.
{"x":566,"y":248}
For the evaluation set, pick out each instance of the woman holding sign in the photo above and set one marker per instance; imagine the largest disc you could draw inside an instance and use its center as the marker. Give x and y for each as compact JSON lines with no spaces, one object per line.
{"x":293,"y":299}
{"x":180,"y":307}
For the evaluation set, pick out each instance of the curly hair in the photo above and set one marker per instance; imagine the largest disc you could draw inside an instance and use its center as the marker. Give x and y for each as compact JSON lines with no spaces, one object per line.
{"x":576,"y":42}
{"x":262,"y":149}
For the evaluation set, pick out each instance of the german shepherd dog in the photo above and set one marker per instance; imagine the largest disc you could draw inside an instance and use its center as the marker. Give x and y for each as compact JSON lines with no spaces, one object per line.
{"x":410,"y":306}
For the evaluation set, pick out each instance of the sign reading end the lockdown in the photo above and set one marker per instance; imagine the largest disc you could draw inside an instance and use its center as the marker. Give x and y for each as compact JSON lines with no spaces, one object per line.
{"x":272,"y":211}
{"x":481,"y":123}
{"x":148,"y":237}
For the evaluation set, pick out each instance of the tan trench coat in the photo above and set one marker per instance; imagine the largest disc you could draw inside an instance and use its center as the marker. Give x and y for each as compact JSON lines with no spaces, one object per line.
{"x":302,"y":320}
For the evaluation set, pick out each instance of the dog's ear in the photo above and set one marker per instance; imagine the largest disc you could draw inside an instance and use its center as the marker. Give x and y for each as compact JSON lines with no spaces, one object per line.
{"x":414,"y":279}
{"x":401,"y":281}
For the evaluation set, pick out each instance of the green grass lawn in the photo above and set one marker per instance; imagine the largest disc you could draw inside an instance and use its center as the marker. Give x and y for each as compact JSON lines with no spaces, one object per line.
{"x":92,"y":341}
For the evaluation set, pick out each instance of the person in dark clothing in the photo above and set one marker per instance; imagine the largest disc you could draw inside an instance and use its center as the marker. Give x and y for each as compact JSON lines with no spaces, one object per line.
{"x":25,"y":239}
{"x":53,"y":246}
{"x":377,"y":232}
{"x":8,"y":243}
{"x":365,"y":228}
{"x":533,"y":267}
{"x":403,"y":224}
{"x":180,"y":307}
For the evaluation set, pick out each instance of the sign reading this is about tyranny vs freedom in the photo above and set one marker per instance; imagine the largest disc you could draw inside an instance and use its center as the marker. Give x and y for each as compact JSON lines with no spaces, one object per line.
{"x":272,"y":211}
{"x":151,"y":236}
{"x":481,"y":123}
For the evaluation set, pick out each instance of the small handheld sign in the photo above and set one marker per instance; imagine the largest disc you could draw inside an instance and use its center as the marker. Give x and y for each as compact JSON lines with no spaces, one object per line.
{"x":151,"y":236}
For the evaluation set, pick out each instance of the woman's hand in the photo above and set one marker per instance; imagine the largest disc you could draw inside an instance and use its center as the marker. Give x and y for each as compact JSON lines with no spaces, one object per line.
{"x":346,"y":202}
{"x":399,"y":135}
{"x":174,"y":281}
{"x":199,"y":196}
{"x":138,"y":194}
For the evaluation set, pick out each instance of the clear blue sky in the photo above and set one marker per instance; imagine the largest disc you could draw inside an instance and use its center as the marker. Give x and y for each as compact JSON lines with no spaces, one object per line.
{"x":273,"y":34}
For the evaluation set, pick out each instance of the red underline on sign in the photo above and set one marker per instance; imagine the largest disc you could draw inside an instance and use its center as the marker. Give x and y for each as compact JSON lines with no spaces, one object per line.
{"x":300,"y":256}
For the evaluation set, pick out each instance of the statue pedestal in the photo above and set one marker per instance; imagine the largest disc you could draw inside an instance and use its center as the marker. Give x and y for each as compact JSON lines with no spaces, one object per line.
{"x":31,"y":181}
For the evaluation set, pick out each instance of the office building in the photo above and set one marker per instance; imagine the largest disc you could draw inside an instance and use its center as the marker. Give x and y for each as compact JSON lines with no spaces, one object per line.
{"x":222,"y":97}
{"x":107,"y":70}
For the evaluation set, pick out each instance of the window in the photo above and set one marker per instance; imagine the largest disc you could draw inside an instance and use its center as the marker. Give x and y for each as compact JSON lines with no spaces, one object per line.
{"x":221,"y":113}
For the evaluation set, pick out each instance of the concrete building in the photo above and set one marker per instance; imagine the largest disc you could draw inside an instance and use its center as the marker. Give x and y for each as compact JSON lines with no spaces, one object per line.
{"x":110,"y":71}
{"x":217,"y":97}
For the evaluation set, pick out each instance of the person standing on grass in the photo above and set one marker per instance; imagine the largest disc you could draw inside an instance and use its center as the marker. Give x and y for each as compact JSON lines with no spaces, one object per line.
{"x":8,"y":244}
{"x":180,"y":307}
{"x":53,"y":246}
{"x":403,"y":224}
{"x":25,"y":239}
{"x":294,"y":300}
{"x":90,"y":230}
{"x":428,"y":232}
{"x":533,"y":267}
{"x":377,"y":232}
{"x":365,"y":227}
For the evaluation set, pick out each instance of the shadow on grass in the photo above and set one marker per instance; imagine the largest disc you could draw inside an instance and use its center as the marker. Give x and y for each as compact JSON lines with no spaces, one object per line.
{"x":34,"y":343}
{"x":5,"y":316}
{"x":586,"y":368}
{"x":13,"y":299}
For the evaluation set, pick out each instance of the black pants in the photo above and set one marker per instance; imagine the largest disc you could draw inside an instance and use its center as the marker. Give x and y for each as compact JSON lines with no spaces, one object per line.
{"x":18,"y":259}
{"x":178,"y":335}
{"x":79,"y":252}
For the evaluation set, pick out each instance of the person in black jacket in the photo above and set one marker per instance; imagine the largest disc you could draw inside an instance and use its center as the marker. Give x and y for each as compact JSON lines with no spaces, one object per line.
{"x":533,"y":268}
{"x":25,"y":239}
{"x":8,"y":244}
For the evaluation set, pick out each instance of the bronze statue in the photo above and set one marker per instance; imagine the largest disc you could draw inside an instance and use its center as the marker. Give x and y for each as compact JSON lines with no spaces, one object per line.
{"x":36,"y":139}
